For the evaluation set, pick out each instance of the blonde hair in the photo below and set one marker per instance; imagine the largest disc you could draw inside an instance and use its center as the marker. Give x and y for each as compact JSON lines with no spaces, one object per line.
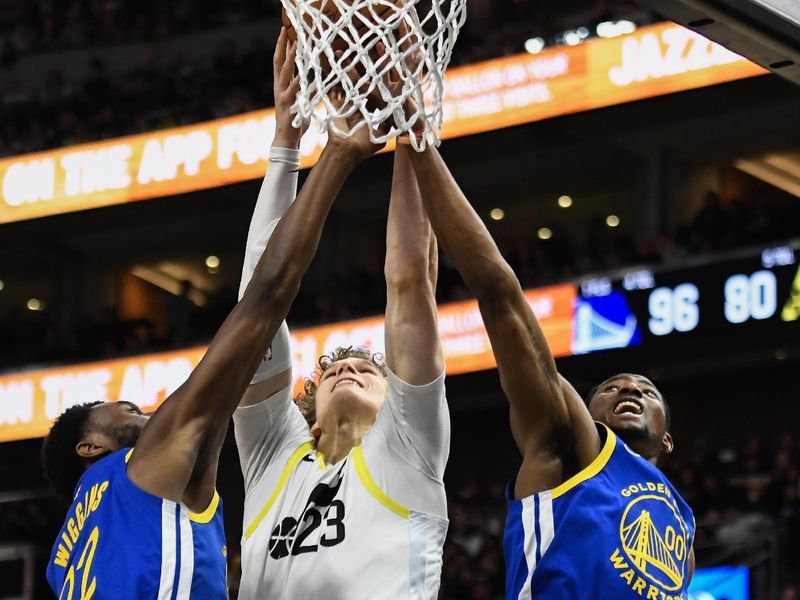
{"x":307,"y":400}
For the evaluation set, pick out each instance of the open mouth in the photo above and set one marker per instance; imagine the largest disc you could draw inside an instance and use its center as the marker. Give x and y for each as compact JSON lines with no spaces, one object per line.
{"x":628,"y":406}
{"x":347,"y":381}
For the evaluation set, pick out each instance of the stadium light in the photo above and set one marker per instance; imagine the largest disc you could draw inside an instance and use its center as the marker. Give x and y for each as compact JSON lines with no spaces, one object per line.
{"x":545,"y":233}
{"x":212,"y":262}
{"x":612,"y":220}
{"x":2,"y":285}
{"x":534,"y":45}
{"x":497,"y":214}
{"x":612,"y":29}
{"x":35,"y":305}
{"x":565,"y":201}
{"x":572,"y":38}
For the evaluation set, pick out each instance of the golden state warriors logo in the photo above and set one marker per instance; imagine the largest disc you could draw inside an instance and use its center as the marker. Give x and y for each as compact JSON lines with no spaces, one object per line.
{"x":654,"y":543}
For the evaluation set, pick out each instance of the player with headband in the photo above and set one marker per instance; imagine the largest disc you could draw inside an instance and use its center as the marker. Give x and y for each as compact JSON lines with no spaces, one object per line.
{"x":346,"y":498}
{"x":589,"y":514}
{"x":145,"y":520}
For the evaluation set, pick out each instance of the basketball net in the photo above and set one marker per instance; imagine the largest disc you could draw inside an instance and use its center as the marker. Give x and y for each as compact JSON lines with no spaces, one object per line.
{"x":374,"y":56}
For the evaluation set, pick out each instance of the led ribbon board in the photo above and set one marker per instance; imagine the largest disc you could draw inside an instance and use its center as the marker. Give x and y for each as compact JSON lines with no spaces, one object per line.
{"x":656,"y":60}
{"x":704,"y":308}
{"x":29,"y":401}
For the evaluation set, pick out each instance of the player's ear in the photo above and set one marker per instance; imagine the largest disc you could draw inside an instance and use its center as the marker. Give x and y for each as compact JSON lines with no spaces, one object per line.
{"x":667,"y":444}
{"x":92,"y":447}
{"x":316,"y":431}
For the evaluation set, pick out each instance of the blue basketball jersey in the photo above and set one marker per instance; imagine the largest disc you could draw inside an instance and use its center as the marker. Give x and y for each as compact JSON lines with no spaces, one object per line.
{"x":618,"y":529}
{"x":118,"y":542}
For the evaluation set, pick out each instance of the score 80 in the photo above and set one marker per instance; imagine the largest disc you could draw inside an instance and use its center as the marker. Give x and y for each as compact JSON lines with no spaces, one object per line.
{"x":746,"y":297}
{"x":674,"y":310}
{"x":753,"y":297}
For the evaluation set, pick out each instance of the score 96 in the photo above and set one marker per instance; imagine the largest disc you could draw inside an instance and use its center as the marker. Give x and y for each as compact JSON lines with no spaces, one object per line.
{"x":674,"y":309}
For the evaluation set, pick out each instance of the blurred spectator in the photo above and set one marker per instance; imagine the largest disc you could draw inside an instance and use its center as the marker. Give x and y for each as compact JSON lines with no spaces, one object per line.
{"x":181,"y":314}
{"x":473,"y":566}
{"x":494,"y":29}
{"x":730,"y":528}
{"x":233,"y":81}
{"x":536,"y":262}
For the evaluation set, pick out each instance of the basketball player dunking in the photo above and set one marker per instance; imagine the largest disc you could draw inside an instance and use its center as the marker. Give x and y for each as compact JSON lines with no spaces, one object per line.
{"x":345,"y":500}
{"x":589,"y":514}
{"x":145,"y":520}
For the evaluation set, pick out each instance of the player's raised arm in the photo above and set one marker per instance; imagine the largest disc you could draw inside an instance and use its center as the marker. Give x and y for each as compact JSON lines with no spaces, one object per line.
{"x":551,"y":427}
{"x":197,"y":414}
{"x":415,"y":419}
{"x":413,"y":350}
{"x":278,"y":191}
{"x":279,"y":188}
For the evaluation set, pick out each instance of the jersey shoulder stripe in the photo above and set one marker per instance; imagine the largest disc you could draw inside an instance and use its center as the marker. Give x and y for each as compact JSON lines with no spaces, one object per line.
{"x":592,"y":469}
{"x":295,"y":458}
{"x":366,"y":479}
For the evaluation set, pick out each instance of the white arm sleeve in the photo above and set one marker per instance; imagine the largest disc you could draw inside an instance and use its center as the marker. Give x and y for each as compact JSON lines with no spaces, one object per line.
{"x":278,"y":191}
{"x":407,"y":449}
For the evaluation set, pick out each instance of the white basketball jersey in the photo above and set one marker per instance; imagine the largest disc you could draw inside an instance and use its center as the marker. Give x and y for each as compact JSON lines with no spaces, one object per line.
{"x":370,"y":527}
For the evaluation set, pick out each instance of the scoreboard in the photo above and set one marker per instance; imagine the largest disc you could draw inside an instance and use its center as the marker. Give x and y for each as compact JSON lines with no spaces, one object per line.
{"x":743,"y":294}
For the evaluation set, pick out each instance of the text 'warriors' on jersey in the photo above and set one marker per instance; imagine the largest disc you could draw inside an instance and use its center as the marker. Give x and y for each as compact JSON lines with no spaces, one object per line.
{"x":118,"y":542}
{"x":618,"y":529}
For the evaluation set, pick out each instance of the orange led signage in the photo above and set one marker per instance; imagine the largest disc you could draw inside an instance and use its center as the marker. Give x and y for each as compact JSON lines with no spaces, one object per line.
{"x":29,"y":401}
{"x":655,"y":60}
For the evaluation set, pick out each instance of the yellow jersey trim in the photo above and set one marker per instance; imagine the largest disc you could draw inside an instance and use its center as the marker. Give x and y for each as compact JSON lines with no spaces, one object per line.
{"x":208,"y":513}
{"x":203,"y":517}
{"x":372,"y":488}
{"x":322,"y":464}
{"x":592,"y":469}
{"x":295,"y":458}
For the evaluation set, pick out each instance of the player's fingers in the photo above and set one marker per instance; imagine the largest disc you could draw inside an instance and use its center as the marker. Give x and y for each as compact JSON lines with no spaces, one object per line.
{"x":294,"y":87}
{"x":407,"y":38}
{"x":287,"y":68}
{"x":336,"y":95}
{"x":403,"y":37}
{"x":280,"y":50}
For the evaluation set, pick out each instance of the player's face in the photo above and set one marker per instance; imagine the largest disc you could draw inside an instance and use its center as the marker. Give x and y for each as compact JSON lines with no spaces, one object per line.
{"x":633,"y":408}
{"x":350,"y":388}
{"x":117,"y":424}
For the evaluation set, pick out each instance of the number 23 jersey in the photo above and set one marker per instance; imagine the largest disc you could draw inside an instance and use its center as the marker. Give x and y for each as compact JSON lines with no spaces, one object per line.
{"x":120,"y":542}
{"x":371,"y":526}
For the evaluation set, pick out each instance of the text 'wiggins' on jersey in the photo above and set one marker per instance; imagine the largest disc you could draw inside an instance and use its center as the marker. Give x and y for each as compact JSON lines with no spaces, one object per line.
{"x":618,"y":529}
{"x":119,"y":542}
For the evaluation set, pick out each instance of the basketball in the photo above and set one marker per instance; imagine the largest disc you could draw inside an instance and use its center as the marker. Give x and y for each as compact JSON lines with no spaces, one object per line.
{"x":371,"y":14}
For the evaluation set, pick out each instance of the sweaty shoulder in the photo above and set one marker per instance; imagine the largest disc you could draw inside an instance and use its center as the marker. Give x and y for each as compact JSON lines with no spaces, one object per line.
{"x":566,"y":449}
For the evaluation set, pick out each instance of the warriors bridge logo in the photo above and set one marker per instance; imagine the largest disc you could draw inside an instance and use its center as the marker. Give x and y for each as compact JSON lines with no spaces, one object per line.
{"x":654,"y":544}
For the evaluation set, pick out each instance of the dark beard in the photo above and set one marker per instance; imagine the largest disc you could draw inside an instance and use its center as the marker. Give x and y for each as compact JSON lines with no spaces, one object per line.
{"x":126,"y":436}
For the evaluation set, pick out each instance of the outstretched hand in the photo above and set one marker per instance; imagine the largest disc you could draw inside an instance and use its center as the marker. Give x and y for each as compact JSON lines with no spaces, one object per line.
{"x":360,"y":143}
{"x":286,"y":85}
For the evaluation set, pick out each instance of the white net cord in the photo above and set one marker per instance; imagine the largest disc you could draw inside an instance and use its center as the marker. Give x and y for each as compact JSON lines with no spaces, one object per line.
{"x":380,"y":58}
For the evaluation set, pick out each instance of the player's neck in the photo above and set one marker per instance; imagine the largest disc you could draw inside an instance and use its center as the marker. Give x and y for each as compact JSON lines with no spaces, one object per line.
{"x":337,"y":443}
{"x":644,"y":450}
